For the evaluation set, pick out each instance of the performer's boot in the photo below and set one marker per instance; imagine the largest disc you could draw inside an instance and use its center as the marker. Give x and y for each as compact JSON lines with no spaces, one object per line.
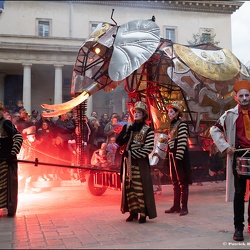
{"x":132,"y":217}
{"x":142,"y":218}
{"x":176,"y":207}
{"x":184,"y":199}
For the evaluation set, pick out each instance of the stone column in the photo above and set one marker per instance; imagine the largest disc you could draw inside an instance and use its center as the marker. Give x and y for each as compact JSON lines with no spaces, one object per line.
{"x":2,"y":76}
{"x":90,"y":99}
{"x":89,"y":106}
{"x":58,"y":84}
{"x":27,"y":86}
{"x":123,"y":105}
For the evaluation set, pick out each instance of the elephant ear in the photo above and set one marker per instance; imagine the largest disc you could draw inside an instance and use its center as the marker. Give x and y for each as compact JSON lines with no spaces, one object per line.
{"x":134,"y":44}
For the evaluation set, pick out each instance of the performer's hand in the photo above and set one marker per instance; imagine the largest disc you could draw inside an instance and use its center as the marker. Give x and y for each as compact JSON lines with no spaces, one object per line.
{"x":230,"y":150}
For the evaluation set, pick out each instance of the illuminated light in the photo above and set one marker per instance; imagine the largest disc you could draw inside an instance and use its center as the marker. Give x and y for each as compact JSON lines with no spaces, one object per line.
{"x":97,"y":50}
{"x":91,"y":59}
{"x":67,"y":105}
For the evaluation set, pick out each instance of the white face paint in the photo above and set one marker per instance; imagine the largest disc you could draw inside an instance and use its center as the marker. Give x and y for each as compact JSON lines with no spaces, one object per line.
{"x":243,"y":97}
{"x":172,"y":114}
{"x":138,"y":115}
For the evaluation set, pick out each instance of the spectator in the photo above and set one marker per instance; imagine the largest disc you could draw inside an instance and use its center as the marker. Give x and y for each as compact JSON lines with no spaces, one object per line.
{"x":125,"y":118}
{"x":42,"y":119}
{"x":100,"y":157}
{"x":8,"y":116}
{"x":23,"y":121}
{"x":3,"y":108}
{"x":86,"y":132}
{"x":94,"y":114}
{"x":35,"y":115}
{"x":112,"y":148}
{"x":45,"y":136}
{"x":19,"y":106}
{"x":94,"y":127}
{"x":15,"y":118}
{"x":28,"y":152}
{"x":74,"y":150}
{"x":58,"y":151}
{"x":65,"y":129}
{"x":115,"y":115}
{"x":112,"y":129}
{"x":104,"y":120}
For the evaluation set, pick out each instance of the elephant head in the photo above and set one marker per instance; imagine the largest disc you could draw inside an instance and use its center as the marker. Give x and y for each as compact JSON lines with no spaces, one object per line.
{"x":108,"y":56}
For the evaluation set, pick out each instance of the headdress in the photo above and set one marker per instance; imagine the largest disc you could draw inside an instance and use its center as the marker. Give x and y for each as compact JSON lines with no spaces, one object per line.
{"x":176,"y":105}
{"x":241,"y":84}
{"x":141,"y":106}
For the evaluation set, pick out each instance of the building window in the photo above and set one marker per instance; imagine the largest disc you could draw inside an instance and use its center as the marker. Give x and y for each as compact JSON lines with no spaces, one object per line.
{"x":93,"y":25}
{"x":170,"y":33}
{"x":207,"y":35}
{"x":44,"y":28}
{"x":1,"y":5}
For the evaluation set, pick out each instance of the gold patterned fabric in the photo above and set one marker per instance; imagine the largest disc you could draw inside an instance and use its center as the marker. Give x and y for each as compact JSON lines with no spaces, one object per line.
{"x":3,"y":184}
{"x":218,"y":65}
{"x":135,"y":192}
{"x":246,"y":120}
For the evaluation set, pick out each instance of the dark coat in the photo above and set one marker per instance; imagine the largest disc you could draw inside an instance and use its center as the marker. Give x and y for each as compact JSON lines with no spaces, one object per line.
{"x":182,"y":167}
{"x":146,"y":178}
{"x":10,"y":142}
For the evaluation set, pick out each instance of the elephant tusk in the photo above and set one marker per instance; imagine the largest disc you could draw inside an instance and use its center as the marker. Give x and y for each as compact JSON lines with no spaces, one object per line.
{"x":56,"y":113}
{"x":68,"y":105}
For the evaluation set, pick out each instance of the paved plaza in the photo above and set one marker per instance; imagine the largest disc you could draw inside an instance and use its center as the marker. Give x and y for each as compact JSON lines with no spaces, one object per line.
{"x":68,"y":217}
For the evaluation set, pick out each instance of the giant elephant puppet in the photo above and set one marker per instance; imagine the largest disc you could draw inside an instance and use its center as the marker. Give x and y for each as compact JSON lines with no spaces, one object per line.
{"x":154,"y":70}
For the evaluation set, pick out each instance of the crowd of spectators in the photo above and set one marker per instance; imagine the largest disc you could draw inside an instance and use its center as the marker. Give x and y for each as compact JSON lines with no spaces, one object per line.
{"x":54,"y":139}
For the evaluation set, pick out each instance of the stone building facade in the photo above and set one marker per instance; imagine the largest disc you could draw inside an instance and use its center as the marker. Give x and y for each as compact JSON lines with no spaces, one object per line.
{"x":39,"y":41}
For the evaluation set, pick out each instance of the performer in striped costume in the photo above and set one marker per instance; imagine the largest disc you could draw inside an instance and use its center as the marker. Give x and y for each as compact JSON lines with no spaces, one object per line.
{"x":137,"y":186}
{"x":10,"y":144}
{"x":179,"y":162}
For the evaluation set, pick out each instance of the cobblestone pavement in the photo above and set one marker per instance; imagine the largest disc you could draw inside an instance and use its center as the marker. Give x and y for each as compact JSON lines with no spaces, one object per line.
{"x":68,"y":217}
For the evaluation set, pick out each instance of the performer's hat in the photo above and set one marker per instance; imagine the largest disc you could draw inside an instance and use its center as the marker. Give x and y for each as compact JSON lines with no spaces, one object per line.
{"x":141,"y":106}
{"x":241,"y":84}
{"x":176,"y":105}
